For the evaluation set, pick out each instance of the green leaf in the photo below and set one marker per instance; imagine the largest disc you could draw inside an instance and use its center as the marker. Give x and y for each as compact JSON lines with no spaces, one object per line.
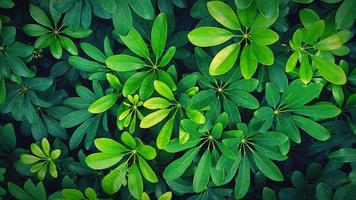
{"x":224,"y":60}
{"x":39,"y":16}
{"x":77,"y":33}
{"x":108,"y":5}
{"x":264,"y":54}
{"x":93,"y":52}
{"x":146,"y":171}
{"x":247,"y":15}
{"x":56,"y":48}
{"x":163,"y":90}
{"x":209,"y":36}
{"x":272,"y":95}
{"x":267,"y":8}
{"x":135,"y":43}
{"x":344,"y":155}
{"x":202,"y":172}
{"x":308,"y":17}
{"x":154,"y":118}
{"x":330,"y":43}
{"x":248,"y":62}
{"x":133,"y":83}
{"x":102,"y":160}
{"x":159,"y":35}
{"x":270,"y":138}
{"x":164,"y":135}
{"x":312,"y":128}
{"x":345,"y":15}
{"x":148,"y":152}
{"x":135,"y":183}
{"x":142,"y":8}
{"x":330,"y":71}
{"x":74,"y":118}
{"x":68,"y":45}
{"x":128,"y":139}
{"x":264,"y":37}
{"x":147,"y":88}
{"x":305,"y":70}
{"x":167,"y":57}
{"x":196,"y":116}
{"x":176,"y":168}
{"x":268,"y":194}
{"x":267,"y":167}
{"x":323,"y":192}
{"x":72,"y":193}
{"x":34,"y":30}
{"x":109,"y":146}
{"x":124,"y":63}
{"x":104,"y":103}
{"x":321,"y":111}
{"x":156,"y":103}
{"x":224,"y":14}
{"x":314,"y":31}
{"x":18,"y":192}
{"x":203,"y":99}
{"x":292,"y":61}
{"x":122,"y":18}
{"x":242,"y":183}
{"x":112,"y":182}
{"x":243,"y":99}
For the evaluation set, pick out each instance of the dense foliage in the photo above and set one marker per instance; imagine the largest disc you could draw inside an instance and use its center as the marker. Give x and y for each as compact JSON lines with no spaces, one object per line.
{"x":177,"y":99}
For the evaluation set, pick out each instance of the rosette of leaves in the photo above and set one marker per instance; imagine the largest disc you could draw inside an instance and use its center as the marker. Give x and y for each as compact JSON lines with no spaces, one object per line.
{"x":223,"y":93}
{"x":96,"y":65}
{"x":171,"y":106}
{"x":288,"y":112}
{"x":129,"y":160}
{"x":121,"y":11}
{"x":253,"y":38}
{"x":29,"y":191}
{"x":42,"y":159}
{"x":25,"y":102}
{"x":88,"y":111}
{"x":252,"y":146}
{"x":210,"y":143}
{"x":75,"y":194}
{"x":51,"y":33}
{"x":147,"y":67}
{"x":13,"y":56}
{"x":314,"y":47}
{"x":79,"y":14}
{"x":129,"y":112}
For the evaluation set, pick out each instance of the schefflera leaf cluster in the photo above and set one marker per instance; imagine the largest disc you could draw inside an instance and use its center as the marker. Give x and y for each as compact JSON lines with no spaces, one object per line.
{"x":132,"y":110}
{"x":246,"y":29}
{"x":131,"y":159}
